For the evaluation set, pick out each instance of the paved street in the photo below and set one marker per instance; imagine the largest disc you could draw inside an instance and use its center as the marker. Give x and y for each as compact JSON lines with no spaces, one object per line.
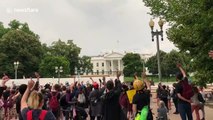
{"x":208,"y":110}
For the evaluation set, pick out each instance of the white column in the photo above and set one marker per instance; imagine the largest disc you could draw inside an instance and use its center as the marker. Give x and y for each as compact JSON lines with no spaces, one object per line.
{"x":119,"y":65}
{"x":112,"y":66}
{"x":105,"y":66}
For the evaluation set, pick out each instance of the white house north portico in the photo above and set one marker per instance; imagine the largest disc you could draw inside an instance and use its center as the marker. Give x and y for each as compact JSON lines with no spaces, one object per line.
{"x":108,"y":63}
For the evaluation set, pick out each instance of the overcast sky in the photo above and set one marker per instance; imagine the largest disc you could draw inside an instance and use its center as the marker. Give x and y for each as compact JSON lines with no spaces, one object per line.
{"x":96,"y":26}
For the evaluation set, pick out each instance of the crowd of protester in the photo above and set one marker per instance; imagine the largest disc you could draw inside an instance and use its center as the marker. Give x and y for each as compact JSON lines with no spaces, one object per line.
{"x":106,"y":100}
{"x":103,"y":100}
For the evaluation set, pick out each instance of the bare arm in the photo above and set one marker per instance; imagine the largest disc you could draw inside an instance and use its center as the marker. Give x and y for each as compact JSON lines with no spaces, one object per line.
{"x":26,"y":94}
{"x":24,"y":99}
{"x":74,"y":79}
{"x":91,"y":79}
{"x":118,"y":74}
{"x":36,"y":86}
{"x":135,"y":76}
{"x":134,"y":109}
{"x":182,"y":98}
{"x":15,"y":96}
{"x":181,"y":69}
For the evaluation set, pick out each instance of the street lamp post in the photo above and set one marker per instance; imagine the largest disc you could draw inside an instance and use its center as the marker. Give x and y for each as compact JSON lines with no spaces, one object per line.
{"x":86,"y":71}
{"x":16,"y":63}
{"x":58,"y":70}
{"x":78,"y":72}
{"x":157,"y":34}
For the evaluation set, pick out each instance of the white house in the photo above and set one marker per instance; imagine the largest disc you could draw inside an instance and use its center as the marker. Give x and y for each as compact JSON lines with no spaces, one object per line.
{"x":109,"y":63}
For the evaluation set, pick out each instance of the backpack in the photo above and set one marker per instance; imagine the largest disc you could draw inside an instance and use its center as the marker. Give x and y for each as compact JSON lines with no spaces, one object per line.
{"x":63,"y":102}
{"x":8,"y":103}
{"x":200,"y":98}
{"x":81,"y":98}
{"x":54,"y":103}
{"x":145,"y":114}
{"x":164,"y":94}
{"x":41,"y":116}
{"x":187,"y":89}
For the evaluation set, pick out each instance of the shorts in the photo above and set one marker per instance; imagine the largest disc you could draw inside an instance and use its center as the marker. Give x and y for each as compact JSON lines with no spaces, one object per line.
{"x":1,"y":113}
{"x":12,"y":112}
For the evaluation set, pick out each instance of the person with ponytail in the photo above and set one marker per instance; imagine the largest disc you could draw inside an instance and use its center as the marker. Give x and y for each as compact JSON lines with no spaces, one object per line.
{"x":31,"y":107}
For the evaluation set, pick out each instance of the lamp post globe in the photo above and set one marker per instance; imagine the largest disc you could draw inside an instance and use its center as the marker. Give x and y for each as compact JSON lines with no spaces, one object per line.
{"x":16,"y":63}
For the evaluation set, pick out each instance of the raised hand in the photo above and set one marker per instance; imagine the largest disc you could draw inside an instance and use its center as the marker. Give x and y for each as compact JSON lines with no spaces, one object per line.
{"x":30,"y":84}
{"x":5,"y":78}
{"x":135,"y":76}
{"x":118,"y":74}
{"x":179,"y":65}
{"x":37,"y":75}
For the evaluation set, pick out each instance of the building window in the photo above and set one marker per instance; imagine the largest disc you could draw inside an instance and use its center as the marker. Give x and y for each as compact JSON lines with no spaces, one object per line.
{"x":110,"y":71}
{"x":110,"y":64}
{"x":102,"y":72}
{"x":102,"y":64}
{"x":97,"y":64}
{"x":97,"y":72}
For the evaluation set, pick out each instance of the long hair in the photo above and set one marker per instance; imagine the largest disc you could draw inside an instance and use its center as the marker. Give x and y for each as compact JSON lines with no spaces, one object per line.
{"x":35,"y":100}
{"x":162,"y":104}
{"x":195,"y":89}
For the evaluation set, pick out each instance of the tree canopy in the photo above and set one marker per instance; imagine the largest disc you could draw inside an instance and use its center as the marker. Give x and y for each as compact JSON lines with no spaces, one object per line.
{"x":48,"y":64}
{"x":153,"y":65}
{"x":191,"y":29}
{"x":69,"y":50}
{"x":169,"y":63}
{"x":132,"y":63}
{"x":19,"y":43}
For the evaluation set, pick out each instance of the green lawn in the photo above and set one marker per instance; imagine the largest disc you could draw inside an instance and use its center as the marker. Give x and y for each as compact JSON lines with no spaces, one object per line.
{"x":154,"y":78}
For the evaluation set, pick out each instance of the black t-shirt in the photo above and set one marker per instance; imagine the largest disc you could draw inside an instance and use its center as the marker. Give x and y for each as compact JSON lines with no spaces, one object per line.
{"x":179,"y":89}
{"x":1,"y":90}
{"x":141,"y":99}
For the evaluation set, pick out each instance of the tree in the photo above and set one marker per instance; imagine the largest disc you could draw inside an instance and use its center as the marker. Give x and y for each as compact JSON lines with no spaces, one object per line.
{"x":48,"y":64}
{"x":70,"y":50}
{"x":132,"y":63}
{"x":85,"y":63}
{"x":190,"y":30}
{"x":170,"y":61}
{"x":16,"y":25}
{"x":17,"y":45}
{"x":153,"y":65}
{"x":3,"y":30}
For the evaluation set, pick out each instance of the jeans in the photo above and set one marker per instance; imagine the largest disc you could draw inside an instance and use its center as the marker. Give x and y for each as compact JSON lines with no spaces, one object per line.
{"x":185,"y":111}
